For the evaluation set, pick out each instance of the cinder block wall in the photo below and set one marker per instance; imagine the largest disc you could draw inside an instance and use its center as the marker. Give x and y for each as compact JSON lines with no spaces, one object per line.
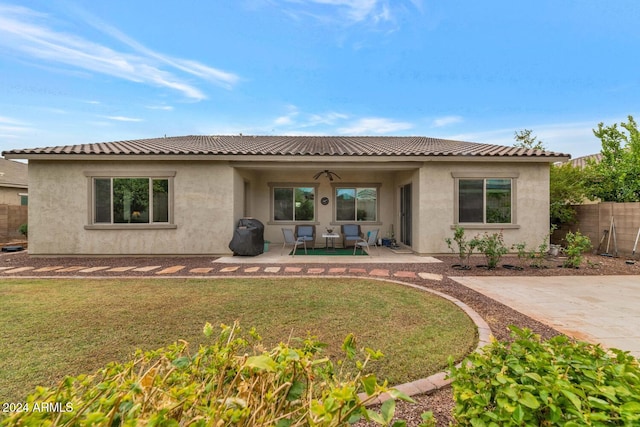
{"x":11,"y":218}
{"x":594,"y":219}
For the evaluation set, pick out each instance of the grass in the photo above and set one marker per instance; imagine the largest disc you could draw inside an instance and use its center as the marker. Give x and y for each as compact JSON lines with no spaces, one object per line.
{"x":51,"y":328}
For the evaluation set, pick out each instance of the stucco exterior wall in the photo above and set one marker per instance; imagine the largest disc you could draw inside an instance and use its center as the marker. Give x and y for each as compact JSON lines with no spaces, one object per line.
{"x":11,"y":195}
{"x":204,"y":210}
{"x":437,"y":203}
{"x":209,"y":197}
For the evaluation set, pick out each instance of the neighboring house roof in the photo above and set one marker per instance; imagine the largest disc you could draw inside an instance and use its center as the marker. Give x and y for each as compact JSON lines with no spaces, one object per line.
{"x":13,"y":174}
{"x":289,"y":146}
{"x":581,"y":162}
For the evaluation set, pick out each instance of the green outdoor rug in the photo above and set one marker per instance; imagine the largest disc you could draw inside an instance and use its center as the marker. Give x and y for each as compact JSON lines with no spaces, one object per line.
{"x":323,"y":251}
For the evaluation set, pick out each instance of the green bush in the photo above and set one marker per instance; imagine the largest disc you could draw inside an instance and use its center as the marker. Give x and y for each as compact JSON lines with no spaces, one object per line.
{"x":492,"y":246}
{"x":463,"y":247}
{"x":24,"y":230}
{"x":234,"y":381}
{"x":530,"y":382}
{"x":577,"y":244}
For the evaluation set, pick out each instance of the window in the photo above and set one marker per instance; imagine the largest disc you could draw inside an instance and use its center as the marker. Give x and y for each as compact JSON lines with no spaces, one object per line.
{"x":294,"y":203}
{"x":131,"y":200}
{"x":357,"y":204}
{"x":486,"y":200}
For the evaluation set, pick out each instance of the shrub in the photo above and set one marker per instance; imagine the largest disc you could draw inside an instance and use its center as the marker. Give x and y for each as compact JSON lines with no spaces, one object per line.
{"x":557,"y":382}
{"x":234,"y":381}
{"x":577,"y":244}
{"x":492,"y":246}
{"x":24,"y":230}
{"x":463,"y":247}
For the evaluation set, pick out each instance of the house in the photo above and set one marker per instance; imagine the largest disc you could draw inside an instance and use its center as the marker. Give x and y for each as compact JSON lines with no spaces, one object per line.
{"x":13,"y":199}
{"x":184,"y":195}
{"x":13,"y":182}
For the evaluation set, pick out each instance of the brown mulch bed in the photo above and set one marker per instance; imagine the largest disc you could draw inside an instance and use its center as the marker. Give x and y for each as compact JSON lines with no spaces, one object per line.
{"x":497,"y":315}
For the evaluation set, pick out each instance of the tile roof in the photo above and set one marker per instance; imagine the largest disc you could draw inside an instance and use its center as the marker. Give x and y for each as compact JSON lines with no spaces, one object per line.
{"x":290,"y":146}
{"x":581,"y":162}
{"x":13,"y":174}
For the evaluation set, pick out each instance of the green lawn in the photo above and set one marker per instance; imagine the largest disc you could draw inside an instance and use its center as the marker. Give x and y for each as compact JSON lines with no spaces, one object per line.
{"x":49,"y":328}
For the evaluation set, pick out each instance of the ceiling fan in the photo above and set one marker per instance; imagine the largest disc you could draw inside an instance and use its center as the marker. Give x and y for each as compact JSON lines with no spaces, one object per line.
{"x":329,"y":174}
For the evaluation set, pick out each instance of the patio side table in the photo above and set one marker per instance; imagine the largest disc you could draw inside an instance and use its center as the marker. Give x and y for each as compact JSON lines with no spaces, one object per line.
{"x":330,"y":241}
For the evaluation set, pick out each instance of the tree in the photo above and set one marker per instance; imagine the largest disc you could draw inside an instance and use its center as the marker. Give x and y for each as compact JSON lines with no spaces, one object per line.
{"x":616,"y":178}
{"x":524,"y":139}
{"x":566,"y":181}
{"x":567,"y":187}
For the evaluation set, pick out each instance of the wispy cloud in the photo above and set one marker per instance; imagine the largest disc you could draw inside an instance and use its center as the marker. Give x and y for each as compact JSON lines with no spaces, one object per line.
{"x":375,"y":126}
{"x":348,"y":11}
{"x":575,"y":138}
{"x":446,"y":121}
{"x":11,"y":128}
{"x":295,"y":120}
{"x":9,"y":120}
{"x":160,"y":107}
{"x":30,"y":34}
{"x":123,"y":119}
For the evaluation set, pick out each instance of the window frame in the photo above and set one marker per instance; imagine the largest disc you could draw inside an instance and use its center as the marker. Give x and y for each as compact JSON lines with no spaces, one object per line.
{"x":92,"y":176}
{"x":355,"y":186}
{"x":484,"y":176}
{"x":293,"y":185}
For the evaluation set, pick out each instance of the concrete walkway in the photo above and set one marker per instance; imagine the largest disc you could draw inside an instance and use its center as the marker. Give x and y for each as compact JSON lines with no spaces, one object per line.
{"x":598,"y":309}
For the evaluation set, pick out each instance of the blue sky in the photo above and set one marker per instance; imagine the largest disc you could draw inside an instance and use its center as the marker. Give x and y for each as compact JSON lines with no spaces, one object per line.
{"x":74,"y":72}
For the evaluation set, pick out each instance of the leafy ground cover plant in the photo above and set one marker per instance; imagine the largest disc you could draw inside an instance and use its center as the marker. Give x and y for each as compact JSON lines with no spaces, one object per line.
{"x":492,"y":246}
{"x":577,"y":245}
{"x":463,"y":247}
{"x":233,"y":381}
{"x":559,"y":382}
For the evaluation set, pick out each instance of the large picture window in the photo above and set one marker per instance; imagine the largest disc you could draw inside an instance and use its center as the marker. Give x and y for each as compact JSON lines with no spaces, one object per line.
{"x":294,"y":203}
{"x":357,"y":204}
{"x":486,"y":200}
{"x":124,"y":200}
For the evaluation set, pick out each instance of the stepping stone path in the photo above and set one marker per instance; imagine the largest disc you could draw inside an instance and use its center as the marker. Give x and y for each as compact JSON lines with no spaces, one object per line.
{"x":94,"y":269}
{"x":173,"y":269}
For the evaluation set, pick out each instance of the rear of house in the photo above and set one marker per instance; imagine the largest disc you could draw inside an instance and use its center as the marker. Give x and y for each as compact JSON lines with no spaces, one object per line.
{"x":185,"y":195}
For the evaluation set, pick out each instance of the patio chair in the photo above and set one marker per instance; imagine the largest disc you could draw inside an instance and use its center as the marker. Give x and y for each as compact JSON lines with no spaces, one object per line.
{"x":289,"y":239}
{"x":306,"y":233}
{"x":351,"y":233}
{"x":371,"y":240}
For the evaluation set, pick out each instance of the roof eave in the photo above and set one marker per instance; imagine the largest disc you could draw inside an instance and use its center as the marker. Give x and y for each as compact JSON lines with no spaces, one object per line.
{"x":555,"y":157}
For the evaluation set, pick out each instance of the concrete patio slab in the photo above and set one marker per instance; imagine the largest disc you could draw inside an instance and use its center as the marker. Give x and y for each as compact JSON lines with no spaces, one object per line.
{"x":598,"y":309}
{"x":383,"y":256}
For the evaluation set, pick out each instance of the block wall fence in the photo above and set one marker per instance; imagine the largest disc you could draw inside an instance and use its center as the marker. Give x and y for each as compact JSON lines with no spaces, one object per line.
{"x":11,"y":218}
{"x":593,"y":219}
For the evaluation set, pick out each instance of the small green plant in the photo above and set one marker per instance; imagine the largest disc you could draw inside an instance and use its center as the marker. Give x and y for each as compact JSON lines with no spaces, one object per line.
{"x":24,"y":230}
{"x":559,"y":382}
{"x":523,"y":255}
{"x":539,"y":255}
{"x":232,"y":382}
{"x":463,"y":247}
{"x":577,"y":245}
{"x":492,"y":246}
